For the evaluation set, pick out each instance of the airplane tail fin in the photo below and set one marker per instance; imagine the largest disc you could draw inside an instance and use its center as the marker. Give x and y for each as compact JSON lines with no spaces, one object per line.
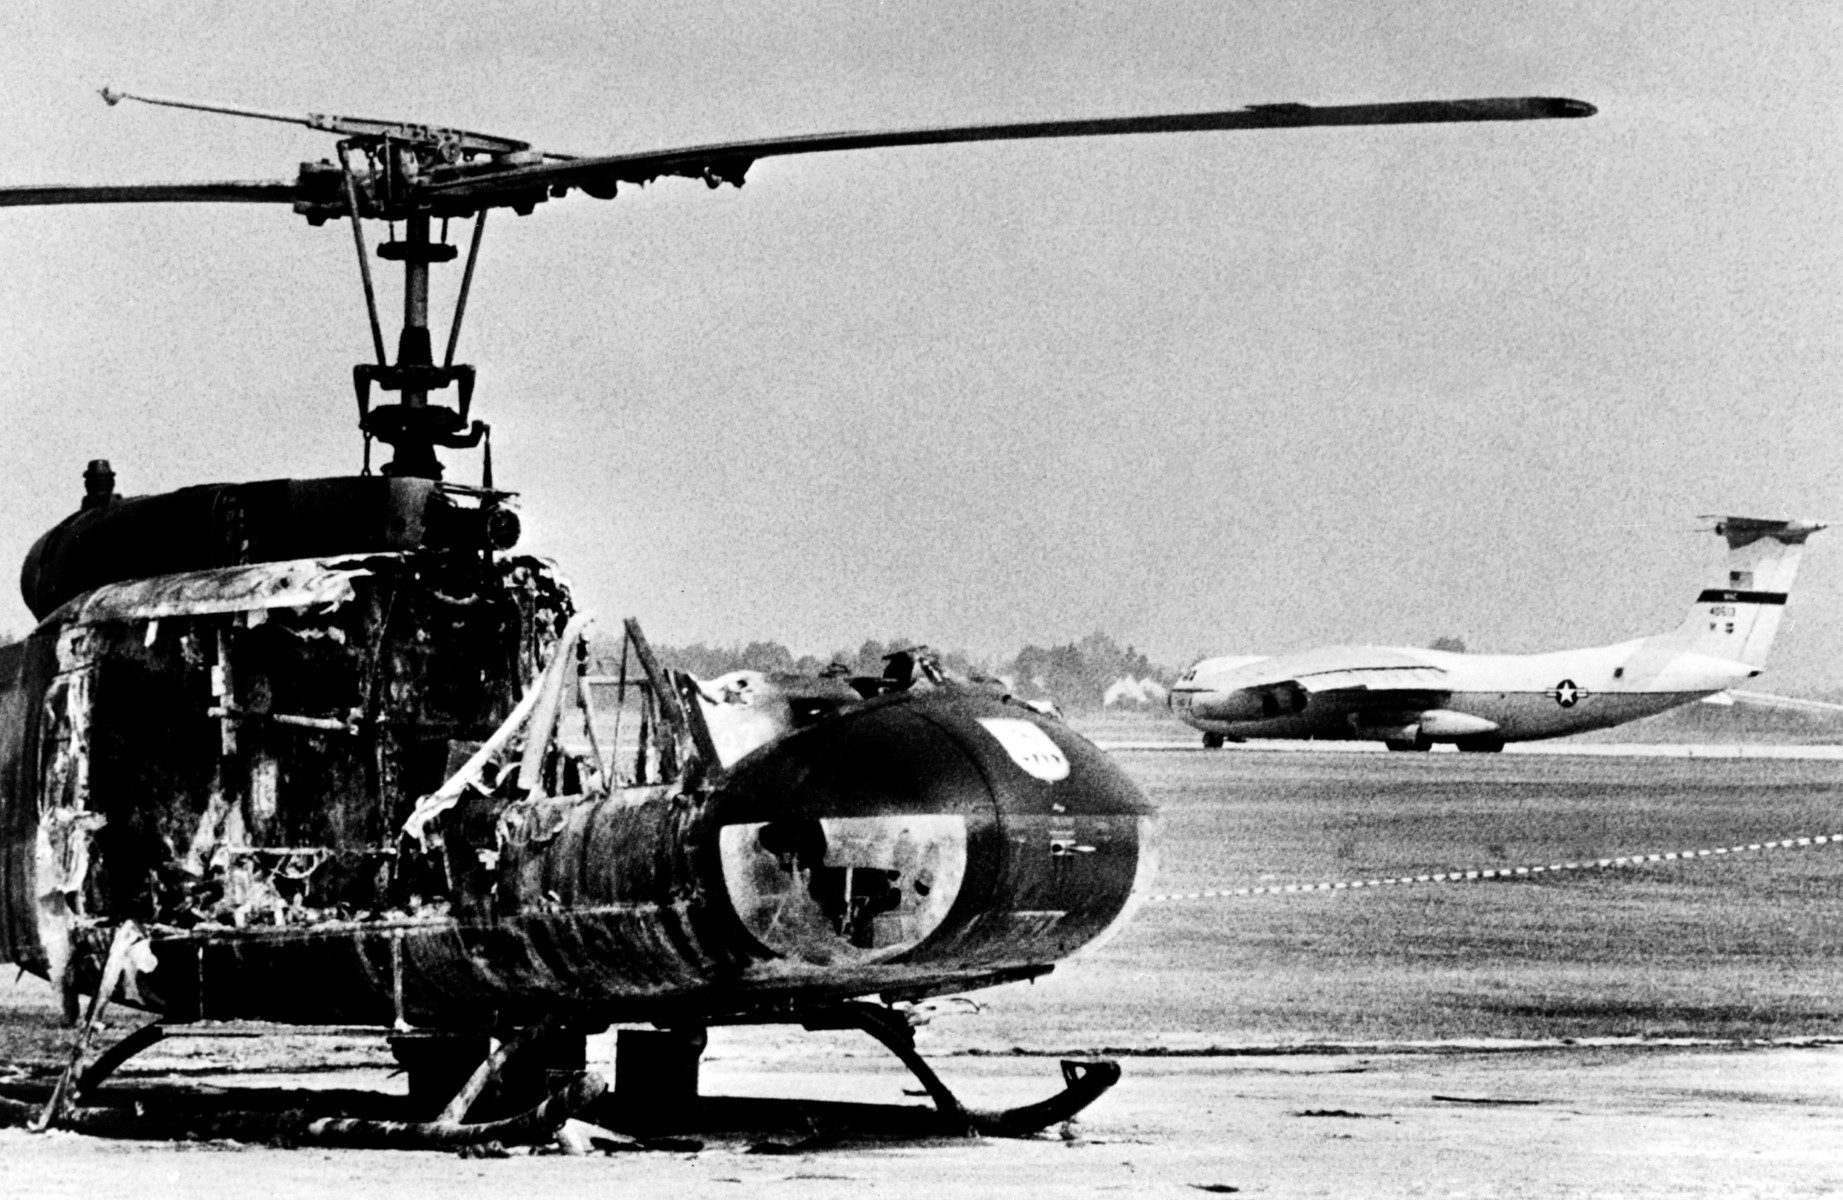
{"x":1737,"y":617}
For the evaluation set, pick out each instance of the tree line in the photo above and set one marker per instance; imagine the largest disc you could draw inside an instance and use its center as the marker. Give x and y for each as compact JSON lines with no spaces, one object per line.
{"x":1076,"y":675}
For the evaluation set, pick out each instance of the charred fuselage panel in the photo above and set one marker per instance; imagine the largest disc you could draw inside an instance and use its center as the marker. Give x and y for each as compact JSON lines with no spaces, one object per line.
{"x":116,"y":539}
{"x":237,"y":747}
{"x":342,"y":790}
{"x":901,"y":848}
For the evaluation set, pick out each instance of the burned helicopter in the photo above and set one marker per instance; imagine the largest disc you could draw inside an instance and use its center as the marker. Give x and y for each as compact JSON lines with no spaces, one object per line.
{"x":323,"y":751}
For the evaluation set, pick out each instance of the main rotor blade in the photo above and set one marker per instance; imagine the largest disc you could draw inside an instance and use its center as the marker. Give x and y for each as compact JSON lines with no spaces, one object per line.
{"x":469,"y":187}
{"x":226,"y":191}
{"x":726,"y":161}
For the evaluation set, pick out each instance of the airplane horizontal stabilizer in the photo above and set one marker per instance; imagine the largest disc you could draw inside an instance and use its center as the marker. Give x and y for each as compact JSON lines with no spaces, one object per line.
{"x":1789,"y":703}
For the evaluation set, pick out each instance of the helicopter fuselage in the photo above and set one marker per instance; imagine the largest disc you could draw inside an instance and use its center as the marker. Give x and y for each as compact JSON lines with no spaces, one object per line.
{"x":228,"y":755}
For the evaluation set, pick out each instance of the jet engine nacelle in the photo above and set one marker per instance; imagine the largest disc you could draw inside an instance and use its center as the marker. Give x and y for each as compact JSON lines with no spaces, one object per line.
{"x":1445,"y":725}
{"x":1252,"y":704}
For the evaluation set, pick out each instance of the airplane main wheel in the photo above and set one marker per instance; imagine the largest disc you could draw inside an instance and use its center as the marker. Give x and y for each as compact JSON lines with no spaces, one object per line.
{"x":1212,"y":741}
{"x":1417,"y":746}
{"x":1482,"y":746}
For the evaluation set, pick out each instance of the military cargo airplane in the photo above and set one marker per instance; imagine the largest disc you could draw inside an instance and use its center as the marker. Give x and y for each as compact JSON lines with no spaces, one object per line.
{"x":1411,"y":698}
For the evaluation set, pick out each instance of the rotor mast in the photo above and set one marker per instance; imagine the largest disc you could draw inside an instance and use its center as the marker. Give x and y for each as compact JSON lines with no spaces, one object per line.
{"x":397,"y":157}
{"x":413,"y":427}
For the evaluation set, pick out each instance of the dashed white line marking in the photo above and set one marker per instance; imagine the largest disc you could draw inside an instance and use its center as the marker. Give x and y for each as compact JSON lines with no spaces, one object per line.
{"x":1465,"y":875}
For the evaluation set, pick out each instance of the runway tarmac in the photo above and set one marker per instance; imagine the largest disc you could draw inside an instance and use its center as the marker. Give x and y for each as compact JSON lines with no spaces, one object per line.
{"x":1666,"y":1027}
{"x":1167,"y":744}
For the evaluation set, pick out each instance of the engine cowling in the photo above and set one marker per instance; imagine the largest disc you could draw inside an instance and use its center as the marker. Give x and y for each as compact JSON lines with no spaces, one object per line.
{"x":1252,"y":704}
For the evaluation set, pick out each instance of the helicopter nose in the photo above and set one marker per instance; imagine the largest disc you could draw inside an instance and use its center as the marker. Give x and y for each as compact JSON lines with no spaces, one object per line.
{"x":940,"y":827}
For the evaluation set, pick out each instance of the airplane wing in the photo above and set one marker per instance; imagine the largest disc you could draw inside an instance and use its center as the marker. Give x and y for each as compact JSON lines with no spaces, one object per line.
{"x":1376,"y":681}
{"x":1353,"y":671}
{"x":1372,"y":680}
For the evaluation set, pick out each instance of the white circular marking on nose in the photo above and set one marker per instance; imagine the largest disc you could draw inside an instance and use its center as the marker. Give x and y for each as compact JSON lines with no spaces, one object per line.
{"x":1029,"y":747}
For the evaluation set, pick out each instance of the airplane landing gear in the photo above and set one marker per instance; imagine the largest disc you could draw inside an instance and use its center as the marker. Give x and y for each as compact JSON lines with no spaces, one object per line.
{"x":1212,"y":741}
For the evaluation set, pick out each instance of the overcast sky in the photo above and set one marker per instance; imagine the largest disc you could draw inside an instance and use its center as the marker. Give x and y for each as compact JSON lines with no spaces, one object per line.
{"x":1241,"y":392}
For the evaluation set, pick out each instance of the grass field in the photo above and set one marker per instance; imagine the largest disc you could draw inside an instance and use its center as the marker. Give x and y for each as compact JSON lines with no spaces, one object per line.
{"x":1748,"y":946}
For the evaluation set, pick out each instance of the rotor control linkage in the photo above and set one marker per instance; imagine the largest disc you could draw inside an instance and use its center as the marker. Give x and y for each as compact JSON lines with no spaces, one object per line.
{"x":414,"y":427}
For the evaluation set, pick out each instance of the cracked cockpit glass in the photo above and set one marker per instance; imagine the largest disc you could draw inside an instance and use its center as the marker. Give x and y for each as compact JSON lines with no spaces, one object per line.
{"x":844,"y":889}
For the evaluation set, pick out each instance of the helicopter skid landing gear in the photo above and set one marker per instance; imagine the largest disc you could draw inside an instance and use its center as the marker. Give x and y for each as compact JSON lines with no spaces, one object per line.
{"x":1084,"y":1081}
{"x":293,"y":1126}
